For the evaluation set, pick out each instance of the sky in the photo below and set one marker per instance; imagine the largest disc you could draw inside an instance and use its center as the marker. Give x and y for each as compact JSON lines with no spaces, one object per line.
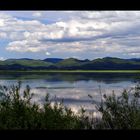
{"x":64,"y":34}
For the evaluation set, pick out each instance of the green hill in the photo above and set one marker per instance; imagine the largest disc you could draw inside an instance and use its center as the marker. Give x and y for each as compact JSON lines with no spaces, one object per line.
{"x":106,"y":63}
{"x":69,"y":62}
{"x":22,"y":62}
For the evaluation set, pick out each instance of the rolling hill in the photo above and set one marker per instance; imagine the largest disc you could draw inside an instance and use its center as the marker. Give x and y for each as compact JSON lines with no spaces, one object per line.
{"x":53,"y":60}
{"x":106,"y":63}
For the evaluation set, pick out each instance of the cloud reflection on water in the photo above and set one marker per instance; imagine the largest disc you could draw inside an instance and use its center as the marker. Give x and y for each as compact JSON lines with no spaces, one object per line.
{"x":75,"y":93}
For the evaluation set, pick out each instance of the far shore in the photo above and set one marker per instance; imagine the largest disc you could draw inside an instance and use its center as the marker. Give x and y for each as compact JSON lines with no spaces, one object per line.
{"x":70,"y":71}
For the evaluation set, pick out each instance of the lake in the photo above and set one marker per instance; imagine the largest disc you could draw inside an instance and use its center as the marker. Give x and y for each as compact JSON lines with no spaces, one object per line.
{"x":73,"y":88}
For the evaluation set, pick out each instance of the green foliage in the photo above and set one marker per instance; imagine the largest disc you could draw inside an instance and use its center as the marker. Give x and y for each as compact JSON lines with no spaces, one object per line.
{"x":17,"y":112}
{"x":121,"y":112}
{"x":33,"y":63}
{"x":69,"y":62}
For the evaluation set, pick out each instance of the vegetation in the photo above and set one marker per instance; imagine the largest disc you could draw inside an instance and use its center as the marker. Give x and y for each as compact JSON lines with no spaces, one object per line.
{"x":70,"y":71}
{"x":18,"y":112}
{"x":107,"y":63}
{"x":121,"y":112}
{"x":25,"y":62}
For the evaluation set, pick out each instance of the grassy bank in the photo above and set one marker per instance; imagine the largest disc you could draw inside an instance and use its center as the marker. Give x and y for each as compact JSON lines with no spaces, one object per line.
{"x":70,"y":71}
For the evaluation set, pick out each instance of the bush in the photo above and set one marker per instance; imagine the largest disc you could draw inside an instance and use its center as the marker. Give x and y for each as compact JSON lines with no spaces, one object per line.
{"x":121,"y":112}
{"x":17,"y":112}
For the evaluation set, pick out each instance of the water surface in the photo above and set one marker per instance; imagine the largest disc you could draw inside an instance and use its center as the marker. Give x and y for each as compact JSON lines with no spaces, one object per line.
{"x":73,"y":88}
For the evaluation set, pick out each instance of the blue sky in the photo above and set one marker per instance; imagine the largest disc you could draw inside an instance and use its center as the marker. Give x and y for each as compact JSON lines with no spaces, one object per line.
{"x":64,"y":34}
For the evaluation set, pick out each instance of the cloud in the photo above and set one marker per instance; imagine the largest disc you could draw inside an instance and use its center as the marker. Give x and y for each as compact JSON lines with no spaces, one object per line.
{"x":47,"y":53}
{"x":26,"y":46}
{"x":2,"y":59}
{"x":37,"y":14}
{"x":114,"y":32}
{"x":3,"y":35}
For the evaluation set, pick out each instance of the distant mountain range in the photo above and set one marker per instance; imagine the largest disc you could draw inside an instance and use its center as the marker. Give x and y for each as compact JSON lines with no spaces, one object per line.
{"x":106,"y":63}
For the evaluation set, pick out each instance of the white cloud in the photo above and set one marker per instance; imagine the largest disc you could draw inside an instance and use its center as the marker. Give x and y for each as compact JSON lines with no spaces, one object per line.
{"x":2,"y":59}
{"x":3,"y":35}
{"x":1,"y":23}
{"x":26,"y":46}
{"x":47,"y":53}
{"x":37,"y":14}
{"x":94,"y":31}
{"x":135,"y":54}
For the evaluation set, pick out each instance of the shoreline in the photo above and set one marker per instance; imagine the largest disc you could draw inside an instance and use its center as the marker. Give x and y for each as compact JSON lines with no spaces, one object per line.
{"x":70,"y":71}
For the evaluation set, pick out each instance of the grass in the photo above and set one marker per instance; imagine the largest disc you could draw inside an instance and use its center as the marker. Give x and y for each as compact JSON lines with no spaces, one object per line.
{"x":70,"y":71}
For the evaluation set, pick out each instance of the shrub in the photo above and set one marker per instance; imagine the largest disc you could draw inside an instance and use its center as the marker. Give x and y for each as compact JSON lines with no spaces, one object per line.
{"x":122,"y":112}
{"x":17,"y":112}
